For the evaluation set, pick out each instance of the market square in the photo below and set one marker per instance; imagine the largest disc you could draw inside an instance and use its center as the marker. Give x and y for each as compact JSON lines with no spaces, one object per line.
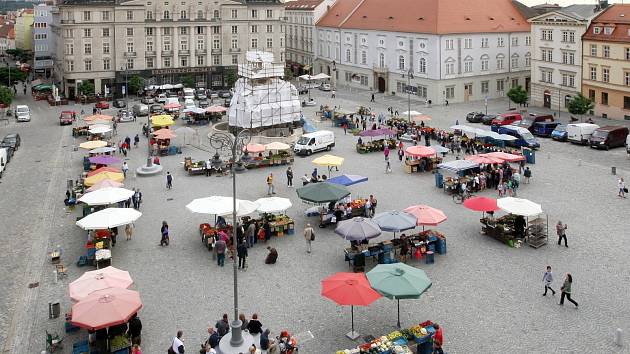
{"x":485,"y":295}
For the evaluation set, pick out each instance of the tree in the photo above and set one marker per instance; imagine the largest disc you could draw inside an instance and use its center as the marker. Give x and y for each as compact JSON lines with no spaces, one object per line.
{"x":517,"y":95}
{"x":136,"y":84}
{"x":230,"y":77}
{"x":20,"y":54}
{"x":86,"y":88}
{"x":16,"y":75}
{"x":188,"y":81}
{"x":6,"y":95}
{"x":580,"y":104}
{"x":288,"y":74}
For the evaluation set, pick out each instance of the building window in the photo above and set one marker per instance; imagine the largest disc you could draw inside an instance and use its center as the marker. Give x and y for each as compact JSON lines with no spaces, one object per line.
{"x":70,"y":65}
{"x":468,"y":66}
{"x":608,"y":30}
{"x":363,"y":57}
{"x":216,"y":29}
{"x":606,"y":51}
{"x":183,"y":62}
{"x":514,"y":62}
{"x":183,"y":45}
{"x":547,"y":35}
{"x":422,"y":66}
{"x":87,"y":32}
{"x":201,"y":60}
{"x":68,"y":33}
{"x":597,"y":30}
{"x":106,"y":64}
{"x":269,"y":28}
{"x":87,"y":16}
{"x":183,"y":31}
{"x":200,"y":14}
{"x":166,"y":62}
{"x":149,"y":15}
{"x":500,"y":86}
{"x":216,"y":60}
{"x":484,"y":64}
{"x":129,"y":31}
{"x":449,"y":44}
{"x":88,"y":65}
{"x":234,"y":43}
{"x":216,"y":43}
{"x":166,"y":15}
{"x":593,"y":71}
{"x":450,"y":92}
{"x":166,"y":44}
{"x":528,"y":61}
{"x":500,"y":42}
{"x":568,"y":58}
{"x":105,"y":16}
{"x":605,"y":74}
{"x":593,"y":50}
{"x":381,"y":60}
{"x":514,"y":83}
{"x":105,"y":47}
{"x":450,"y":68}
{"x":484,"y":42}
{"x":546,"y":76}
{"x":528,"y":40}
{"x":626,"y":102}
{"x":348,"y":56}
{"x":254,"y":29}
{"x":234,"y":29}
{"x":183,"y":14}
{"x":129,"y":15}
{"x":269,"y":42}
{"x":401,"y":62}
{"x":254,"y":42}
{"x":605,"y":98}
{"x":234,"y":13}
{"x":467,"y":43}
{"x":485,"y":87}
{"x":87,"y":48}
{"x":149,"y":63}
{"x":254,"y":13}
{"x":514,"y":41}
{"x":547,"y":55}
{"x":69,"y":49}
{"x":269,"y":13}
{"x":130,"y":62}
{"x":499,"y":63}
{"x":591,"y":95}
{"x":234,"y":59}
{"x":626,"y":78}
{"x":568,"y":80}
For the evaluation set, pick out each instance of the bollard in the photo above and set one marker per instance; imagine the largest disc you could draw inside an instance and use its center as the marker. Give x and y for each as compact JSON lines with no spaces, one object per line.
{"x":618,"y":337}
{"x":613,"y":170}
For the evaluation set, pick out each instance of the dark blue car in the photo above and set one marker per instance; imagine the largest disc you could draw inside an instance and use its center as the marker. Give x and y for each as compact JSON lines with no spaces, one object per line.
{"x":560,"y":133}
{"x":544,"y":129}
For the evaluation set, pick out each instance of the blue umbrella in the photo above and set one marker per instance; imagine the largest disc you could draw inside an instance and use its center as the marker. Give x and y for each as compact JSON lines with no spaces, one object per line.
{"x":347,"y":180}
{"x":395,"y":221}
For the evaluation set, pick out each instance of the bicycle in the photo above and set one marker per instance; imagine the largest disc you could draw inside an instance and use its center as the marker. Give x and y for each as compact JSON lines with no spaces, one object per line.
{"x":459,"y":198}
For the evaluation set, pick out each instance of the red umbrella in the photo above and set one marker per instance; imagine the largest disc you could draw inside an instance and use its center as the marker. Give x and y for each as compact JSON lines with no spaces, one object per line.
{"x":481,"y":204}
{"x":425,"y":215}
{"x":172,"y":105}
{"x":106,"y":308}
{"x":349,"y":289}
{"x":420,"y":151}
{"x":216,"y":109}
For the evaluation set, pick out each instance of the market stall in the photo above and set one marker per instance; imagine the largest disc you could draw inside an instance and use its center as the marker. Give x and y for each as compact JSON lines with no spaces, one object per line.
{"x":272,"y":154}
{"x":363,"y":147}
{"x":196,"y":116}
{"x":417,"y":339}
{"x":524,"y":223}
{"x":452,"y":174}
{"x":161,"y":142}
{"x":421,"y":159}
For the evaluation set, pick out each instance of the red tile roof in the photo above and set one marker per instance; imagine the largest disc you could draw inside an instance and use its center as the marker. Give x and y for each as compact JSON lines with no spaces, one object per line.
{"x":303,"y":4}
{"x":5,"y":31}
{"x":616,"y":16}
{"x":426,"y":16}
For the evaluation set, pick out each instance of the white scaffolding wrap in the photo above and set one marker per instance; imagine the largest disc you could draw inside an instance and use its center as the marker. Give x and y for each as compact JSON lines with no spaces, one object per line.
{"x":261,"y":98}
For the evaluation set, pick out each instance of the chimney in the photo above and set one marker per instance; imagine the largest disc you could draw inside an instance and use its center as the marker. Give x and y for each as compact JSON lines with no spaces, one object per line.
{"x":603,"y":4}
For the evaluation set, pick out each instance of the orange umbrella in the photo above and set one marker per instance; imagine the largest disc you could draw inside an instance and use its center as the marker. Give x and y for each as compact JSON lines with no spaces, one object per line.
{"x":104,"y":169}
{"x":164,"y":134}
{"x":106,"y":308}
{"x":97,"y":117}
{"x":420,"y":151}
{"x":425,"y":215}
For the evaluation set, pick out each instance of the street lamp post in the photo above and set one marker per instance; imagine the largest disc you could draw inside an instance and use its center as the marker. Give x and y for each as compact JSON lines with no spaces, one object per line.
{"x":126,"y":88}
{"x":234,"y":143}
{"x":409,"y":77}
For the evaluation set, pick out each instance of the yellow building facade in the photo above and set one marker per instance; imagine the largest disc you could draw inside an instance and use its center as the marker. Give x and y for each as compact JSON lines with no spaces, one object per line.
{"x":24,"y":30}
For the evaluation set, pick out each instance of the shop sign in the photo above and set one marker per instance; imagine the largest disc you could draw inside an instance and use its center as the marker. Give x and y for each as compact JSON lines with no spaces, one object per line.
{"x":180,"y":70}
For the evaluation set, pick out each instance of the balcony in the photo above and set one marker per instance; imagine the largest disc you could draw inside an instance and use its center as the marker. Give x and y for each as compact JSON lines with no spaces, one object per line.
{"x":130,"y":54}
{"x":167,"y":53}
{"x":216,"y":51}
{"x":235,"y":50}
{"x":183,"y":52}
{"x":380,"y":69}
{"x":149,"y":53}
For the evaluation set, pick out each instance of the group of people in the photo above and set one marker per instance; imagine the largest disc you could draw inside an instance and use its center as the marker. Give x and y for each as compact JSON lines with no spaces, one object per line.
{"x":565,"y":289}
{"x":99,"y":339}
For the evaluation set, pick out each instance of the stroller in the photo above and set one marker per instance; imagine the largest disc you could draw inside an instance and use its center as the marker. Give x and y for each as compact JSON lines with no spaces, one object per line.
{"x":286,"y":343}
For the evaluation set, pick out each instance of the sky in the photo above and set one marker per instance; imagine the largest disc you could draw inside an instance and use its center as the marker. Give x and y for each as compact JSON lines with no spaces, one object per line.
{"x":568,"y":2}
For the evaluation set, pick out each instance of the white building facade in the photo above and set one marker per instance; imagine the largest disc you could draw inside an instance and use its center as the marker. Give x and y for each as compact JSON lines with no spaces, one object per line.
{"x":557,"y":55}
{"x":43,"y":40}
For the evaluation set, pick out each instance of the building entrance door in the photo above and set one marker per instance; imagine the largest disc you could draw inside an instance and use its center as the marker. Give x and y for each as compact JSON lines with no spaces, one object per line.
{"x":381,"y":84}
{"x":547,"y":99}
{"x":467,"y":92}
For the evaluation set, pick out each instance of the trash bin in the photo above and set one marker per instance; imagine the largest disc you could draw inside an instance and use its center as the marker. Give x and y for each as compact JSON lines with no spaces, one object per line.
{"x":439,"y":180}
{"x":530,"y":155}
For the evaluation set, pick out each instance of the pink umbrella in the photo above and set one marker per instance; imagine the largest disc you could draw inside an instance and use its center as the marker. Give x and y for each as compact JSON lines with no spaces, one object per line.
{"x":106,"y":308}
{"x":425,"y":215}
{"x":172,"y":105}
{"x":505,"y":156}
{"x":105,"y":183}
{"x":100,"y":279}
{"x":164,"y":134}
{"x":255,"y":148}
{"x":216,"y":109}
{"x":481,"y":159}
{"x":420,"y":151}
{"x":104,"y":160}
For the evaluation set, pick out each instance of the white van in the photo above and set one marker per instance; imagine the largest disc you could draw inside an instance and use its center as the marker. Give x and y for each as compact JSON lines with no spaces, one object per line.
{"x":314,"y":142}
{"x":161,"y":98}
{"x":628,"y":144}
{"x":189,"y":94}
{"x":22,"y":113}
{"x":579,"y":133}
{"x":3,"y":160}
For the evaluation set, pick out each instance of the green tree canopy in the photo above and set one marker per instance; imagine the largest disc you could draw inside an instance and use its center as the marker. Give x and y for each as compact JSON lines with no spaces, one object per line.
{"x":288,"y":74}
{"x":580,"y":104}
{"x":86,"y":88}
{"x":517,"y":95}
{"x":20,"y":54}
{"x":136,"y":84}
{"x":16,"y":75}
{"x":6,"y":95}
{"x":188,"y":81}
{"x":230,"y":77}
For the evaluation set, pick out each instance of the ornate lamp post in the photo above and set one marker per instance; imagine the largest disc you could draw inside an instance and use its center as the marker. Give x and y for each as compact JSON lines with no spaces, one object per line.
{"x":233,"y":342}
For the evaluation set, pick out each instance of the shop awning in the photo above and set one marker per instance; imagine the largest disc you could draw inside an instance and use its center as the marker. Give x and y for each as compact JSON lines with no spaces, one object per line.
{"x":458,"y":165}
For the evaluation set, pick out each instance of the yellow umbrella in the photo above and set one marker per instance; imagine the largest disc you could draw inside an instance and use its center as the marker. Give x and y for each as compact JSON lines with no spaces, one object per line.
{"x":329,"y":161}
{"x":89,"y":145}
{"x":114,"y":176}
{"x":163,"y":120}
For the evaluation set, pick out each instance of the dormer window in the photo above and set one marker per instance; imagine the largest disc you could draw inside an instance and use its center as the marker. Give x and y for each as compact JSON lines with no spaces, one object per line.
{"x":608,"y":30}
{"x":597,"y":30}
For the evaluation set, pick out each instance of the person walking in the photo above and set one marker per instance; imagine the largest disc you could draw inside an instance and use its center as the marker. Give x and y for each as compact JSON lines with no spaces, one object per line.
{"x":547,"y":280}
{"x":125,"y":168}
{"x":250,"y":234}
{"x":223,"y":326}
{"x":566,"y":290}
{"x":220,"y":247}
{"x":177,"y":347}
{"x":138,"y":197}
{"x":372,"y":100}
{"x":289,"y":177}
{"x":115,"y":127}
{"x":241,"y":252}
{"x":527,"y":174}
{"x":270,"y":187}
{"x":561,"y":230}
{"x":622,"y":187}
{"x":386,"y":151}
{"x":333,"y":93}
{"x":388,"y":167}
{"x":169,"y":180}
{"x":135,"y":330}
{"x":129,"y":231}
{"x":165,"y":240}
{"x":309,"y":236}
{"x":136,"y":140}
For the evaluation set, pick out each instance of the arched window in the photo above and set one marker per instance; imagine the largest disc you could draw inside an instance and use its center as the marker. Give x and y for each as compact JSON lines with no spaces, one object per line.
{"x":348,"y":56}
{"x":401,"y":62}
{"x":167,"y":15}
{"x":216,"y":14}
{"x":381,"y":60}
{"x":422,"y":66}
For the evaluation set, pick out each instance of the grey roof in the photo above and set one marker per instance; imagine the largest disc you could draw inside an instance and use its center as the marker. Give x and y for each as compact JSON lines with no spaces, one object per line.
{"x":580,"y":11}
{"x":525,"y":10}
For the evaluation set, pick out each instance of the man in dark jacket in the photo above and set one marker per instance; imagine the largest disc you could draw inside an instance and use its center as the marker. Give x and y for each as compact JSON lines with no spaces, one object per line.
{"x":214,"y":339}
{"x":135,"y":330}
{"x":241,"y":251}
{"x":223,"y":326}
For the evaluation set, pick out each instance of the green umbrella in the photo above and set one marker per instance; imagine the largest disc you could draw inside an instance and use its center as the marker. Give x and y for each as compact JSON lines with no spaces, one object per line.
{"x":322,"y":192}
{"x":399,"y":281}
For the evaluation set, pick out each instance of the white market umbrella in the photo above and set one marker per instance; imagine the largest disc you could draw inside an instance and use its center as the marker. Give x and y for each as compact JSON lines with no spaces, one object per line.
{"x":320,"y":76}
{"x":506,"y":137}
{"x":108,"y":218}
{"x":221,"y":206}
{"x":410,"y":113}
{"x":519,"y":206}
{"x":276,"y":145}
{"x":102,"y":150}
{"x":273,"y":205}
{"x":99,"y":129}
{"x":105,"y":196}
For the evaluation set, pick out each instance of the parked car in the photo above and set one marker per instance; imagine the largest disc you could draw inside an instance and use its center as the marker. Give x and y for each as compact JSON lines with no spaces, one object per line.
{"x":189,"y":94}
{"x":147,"y":100}
{"x":225,"y":94}
{"x":325,"y":87}
{"x":529,"y":120}
{"x":102,"y":105}
{"x":213,"y":94}
{"x":313,"y":142}
{"x":543,"y":129}
{"x":474,"y":117}
{"x":523,"y":136}
{"x":610,"y":136}
{"x":120,"y":103}
{"x":203,"y":103}
{"x":579,"y":133}
{"x":22,"y":113}
{"x":560,"y":133}
{"x":13,"y":140}
{"x":302,"y":90}
{"x":189,"y":103}
{"x":140,"y":110}
{"x":156,"y":108}
{"x":67,"y":117}
{"x":506,"y":118}
{"x":161,"y":98}
{"x":200,"y":93}
{"x":488,"y":118}
{"x":124,"y":115}
{"x":4,"y":159}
